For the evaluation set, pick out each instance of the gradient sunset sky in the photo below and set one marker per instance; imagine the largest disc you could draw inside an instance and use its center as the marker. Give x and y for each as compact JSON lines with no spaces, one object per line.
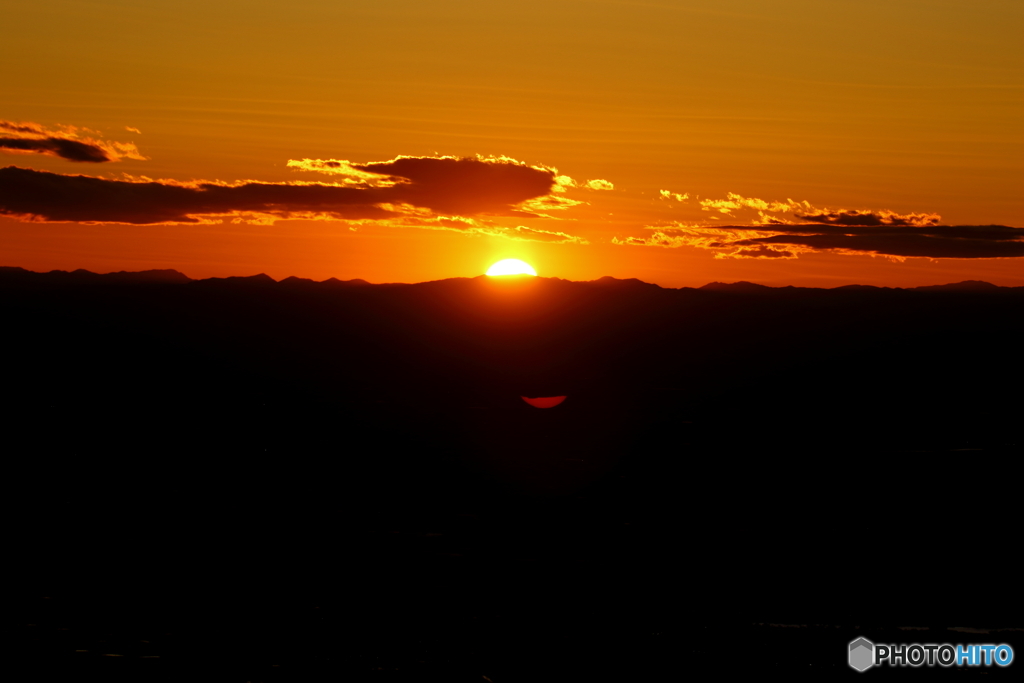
{"x":802,"y":142}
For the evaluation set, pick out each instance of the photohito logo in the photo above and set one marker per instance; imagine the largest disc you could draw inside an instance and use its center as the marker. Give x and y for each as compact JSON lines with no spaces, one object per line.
{"x":863,"y":654}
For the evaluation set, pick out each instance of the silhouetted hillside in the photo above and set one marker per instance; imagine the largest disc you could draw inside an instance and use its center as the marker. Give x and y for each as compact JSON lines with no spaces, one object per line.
{"x":730,"y":454}
{"x":741,"y":286}
{"x":965,"y":286}
{"x":822,"y":357}
{"x":9,"y":276}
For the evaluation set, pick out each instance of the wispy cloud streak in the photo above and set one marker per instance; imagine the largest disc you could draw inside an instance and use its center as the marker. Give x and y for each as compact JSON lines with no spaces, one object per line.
{"x":785,"y":229}
{"x":64,"y":142}
{"x":893,"y":241}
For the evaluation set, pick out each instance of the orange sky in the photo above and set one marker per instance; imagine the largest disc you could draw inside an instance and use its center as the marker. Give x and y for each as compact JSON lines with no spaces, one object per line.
{"x":892,"y":118}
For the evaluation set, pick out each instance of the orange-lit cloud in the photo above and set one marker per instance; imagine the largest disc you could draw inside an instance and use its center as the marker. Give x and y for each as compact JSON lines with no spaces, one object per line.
{"x":541,"y":205}
{"x":421,"y":188}
{"x":866,"y":218}
{"x":64,"y":142}
{"x":465,"y":180}
{"x":452,"y":185}
{"x":843,"y":231}
{"x":804,"y":211}
{"x":763,"y":251}
{"x":564,"y":182}
{"x":679,"y":197}
{"x":734,"y":202}
{"x":43,"y":196}
{"x":767,"y":219}
{"x":526,"y":234}
{"x":344,"y":172}
{"x":721,"y":239}
{"x":899,"y":241}
{"x":477,"y":226}
{"x":894,"y":240}
{"x":463,"y":186}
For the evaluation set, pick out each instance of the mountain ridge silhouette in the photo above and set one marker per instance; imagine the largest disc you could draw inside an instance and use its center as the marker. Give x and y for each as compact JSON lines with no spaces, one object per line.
{"x":174,"y":276}
{"x":529,"y":336}
{"x":770,"y":447}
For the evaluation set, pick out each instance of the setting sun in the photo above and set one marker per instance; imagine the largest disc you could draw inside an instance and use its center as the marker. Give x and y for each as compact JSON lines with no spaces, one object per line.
{"x":511,"y":266}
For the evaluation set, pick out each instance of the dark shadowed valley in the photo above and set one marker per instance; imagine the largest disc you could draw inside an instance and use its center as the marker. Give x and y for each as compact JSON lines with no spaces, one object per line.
{"x":245,"y":480}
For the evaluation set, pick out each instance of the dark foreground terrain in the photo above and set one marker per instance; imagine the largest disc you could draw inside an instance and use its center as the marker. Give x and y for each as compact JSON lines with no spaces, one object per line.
{"x":243,"y":480}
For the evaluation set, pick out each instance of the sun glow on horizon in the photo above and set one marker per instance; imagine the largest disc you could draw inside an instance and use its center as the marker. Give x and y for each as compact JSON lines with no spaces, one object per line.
{"x":511,"y":266}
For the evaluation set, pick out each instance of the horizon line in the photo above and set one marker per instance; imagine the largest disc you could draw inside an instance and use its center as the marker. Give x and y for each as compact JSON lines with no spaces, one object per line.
{"x":745,"y":284}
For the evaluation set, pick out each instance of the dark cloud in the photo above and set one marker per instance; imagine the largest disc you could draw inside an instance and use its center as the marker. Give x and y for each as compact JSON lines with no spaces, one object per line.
{"x":26,"y":127}
{"x":72,"y":150}
{"x":64,"y":142}
{"x":941,"y":241}
{"x":54,"y":197}
{"x":763,"y":251}
{"x":463,"y":187}
{"x":788,"y":240}
{"x":856,"y":217}
{"x":995,"y":233}
{"x":767,"y":219}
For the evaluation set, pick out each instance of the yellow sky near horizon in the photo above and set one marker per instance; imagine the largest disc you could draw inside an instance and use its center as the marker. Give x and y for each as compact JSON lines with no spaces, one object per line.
{"x":907,"y":106}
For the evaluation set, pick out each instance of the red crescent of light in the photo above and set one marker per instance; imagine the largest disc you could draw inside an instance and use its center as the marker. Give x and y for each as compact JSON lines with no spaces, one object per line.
{"x":544,"y":401}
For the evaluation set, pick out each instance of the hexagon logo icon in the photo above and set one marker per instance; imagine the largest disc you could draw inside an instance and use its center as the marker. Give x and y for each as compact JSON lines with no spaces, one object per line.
{"x":862,"y":654}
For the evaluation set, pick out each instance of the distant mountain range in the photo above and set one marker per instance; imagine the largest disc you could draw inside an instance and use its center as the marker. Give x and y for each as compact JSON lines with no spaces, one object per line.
{"x":531,"y":336}
{"x":943,"y":352}
{"x":170,"y":276}
{"x":768,"y":436}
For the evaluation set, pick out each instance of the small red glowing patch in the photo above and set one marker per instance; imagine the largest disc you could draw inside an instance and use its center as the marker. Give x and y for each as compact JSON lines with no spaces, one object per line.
{"x":544,"y":401}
